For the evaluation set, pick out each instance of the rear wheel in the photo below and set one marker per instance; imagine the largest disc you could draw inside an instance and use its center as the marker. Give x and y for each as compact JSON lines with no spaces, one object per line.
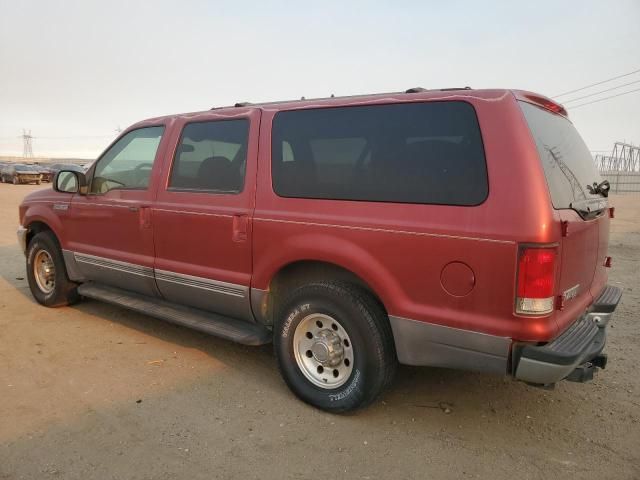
{"x":334,"y":346}
{"x":46,"y":272}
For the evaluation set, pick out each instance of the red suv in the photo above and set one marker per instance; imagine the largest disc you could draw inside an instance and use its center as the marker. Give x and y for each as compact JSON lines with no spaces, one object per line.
{"x":454,"y":228}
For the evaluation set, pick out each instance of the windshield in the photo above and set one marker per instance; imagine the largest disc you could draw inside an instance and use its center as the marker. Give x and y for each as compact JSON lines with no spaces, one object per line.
{"x":566,"y":160}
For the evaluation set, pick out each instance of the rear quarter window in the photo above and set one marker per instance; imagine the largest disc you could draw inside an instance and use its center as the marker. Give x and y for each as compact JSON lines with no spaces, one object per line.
{"x":428,"y":153}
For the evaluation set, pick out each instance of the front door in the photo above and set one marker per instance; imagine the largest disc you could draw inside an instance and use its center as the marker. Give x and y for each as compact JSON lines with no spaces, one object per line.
{"x":110,"y":231}
{"x":202,"y":216}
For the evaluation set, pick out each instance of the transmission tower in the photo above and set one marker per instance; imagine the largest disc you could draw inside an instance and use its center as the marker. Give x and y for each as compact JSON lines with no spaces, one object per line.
{"x":623,"y":158}
{"x":27,"y":146}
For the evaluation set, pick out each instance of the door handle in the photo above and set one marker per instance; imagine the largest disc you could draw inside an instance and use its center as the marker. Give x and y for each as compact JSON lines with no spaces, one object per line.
{"x":133,"y":209}
{"x":145,"y":217}
{"x":240,"y":228}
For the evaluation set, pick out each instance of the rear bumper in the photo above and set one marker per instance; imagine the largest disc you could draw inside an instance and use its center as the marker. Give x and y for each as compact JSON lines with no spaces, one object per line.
{"x":578,"y":349}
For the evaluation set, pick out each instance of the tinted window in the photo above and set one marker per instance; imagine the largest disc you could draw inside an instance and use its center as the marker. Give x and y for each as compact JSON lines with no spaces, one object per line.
{"x":211,"y":156}
{"x":409,"y":153}
{"x":128,"y":163}
{"x":566,"y":160}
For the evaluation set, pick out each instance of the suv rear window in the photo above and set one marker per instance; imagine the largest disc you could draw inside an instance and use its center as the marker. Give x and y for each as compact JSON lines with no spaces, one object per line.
{"x":566,"y":160}
{"x":428,"y":153}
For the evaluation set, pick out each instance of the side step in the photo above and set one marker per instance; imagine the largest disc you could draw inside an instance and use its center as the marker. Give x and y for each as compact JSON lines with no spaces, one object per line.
{"x":218,"y":325}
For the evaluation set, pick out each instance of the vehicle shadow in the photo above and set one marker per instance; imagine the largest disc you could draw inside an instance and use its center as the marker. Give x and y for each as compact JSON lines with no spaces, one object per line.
{"x":414,"y":387}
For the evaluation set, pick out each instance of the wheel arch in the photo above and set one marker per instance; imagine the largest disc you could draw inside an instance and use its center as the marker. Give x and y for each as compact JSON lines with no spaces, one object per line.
{"x":300,"y":272}
{"x":39,"y":218}
{"x":38,"y":226}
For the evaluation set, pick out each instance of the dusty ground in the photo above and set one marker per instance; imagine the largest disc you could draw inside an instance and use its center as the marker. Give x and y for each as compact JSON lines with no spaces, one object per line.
{"x":97,"y":392}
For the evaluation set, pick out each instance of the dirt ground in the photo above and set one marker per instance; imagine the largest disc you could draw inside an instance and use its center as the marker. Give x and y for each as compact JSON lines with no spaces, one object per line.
{"x":97,"y":392}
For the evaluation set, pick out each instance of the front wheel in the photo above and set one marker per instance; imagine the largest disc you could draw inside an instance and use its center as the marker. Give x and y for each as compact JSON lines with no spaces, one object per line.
{"x":334,"y":346}
{"x":46,"y":272}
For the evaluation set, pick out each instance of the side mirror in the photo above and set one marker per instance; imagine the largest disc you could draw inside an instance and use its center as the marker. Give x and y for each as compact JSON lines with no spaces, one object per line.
{"x":70,"y":181}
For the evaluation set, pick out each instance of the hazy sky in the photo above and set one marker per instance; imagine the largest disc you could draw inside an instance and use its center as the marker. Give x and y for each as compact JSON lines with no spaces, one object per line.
{"x":74,"y":71}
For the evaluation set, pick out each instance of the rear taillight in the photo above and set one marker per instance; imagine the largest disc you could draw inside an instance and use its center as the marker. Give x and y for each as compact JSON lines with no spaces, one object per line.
{"x":536,"y":273}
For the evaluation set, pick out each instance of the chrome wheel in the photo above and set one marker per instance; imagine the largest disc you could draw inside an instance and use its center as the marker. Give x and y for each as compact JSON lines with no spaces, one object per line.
{"x":44,"y":271}
{"x":323,"y":351}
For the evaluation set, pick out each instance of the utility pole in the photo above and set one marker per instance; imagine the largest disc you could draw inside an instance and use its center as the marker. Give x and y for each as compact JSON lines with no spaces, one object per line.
{"x":27,"y":145}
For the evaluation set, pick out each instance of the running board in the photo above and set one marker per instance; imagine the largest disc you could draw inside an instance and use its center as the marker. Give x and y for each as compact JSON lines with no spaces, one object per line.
{"x":228,"y":328}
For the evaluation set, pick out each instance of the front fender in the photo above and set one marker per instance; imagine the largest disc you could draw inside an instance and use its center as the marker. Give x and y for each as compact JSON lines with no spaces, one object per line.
{"x":44,"y":213}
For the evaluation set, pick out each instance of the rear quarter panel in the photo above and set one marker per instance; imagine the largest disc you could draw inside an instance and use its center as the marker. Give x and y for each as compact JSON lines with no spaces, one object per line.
{"x":400,"y":250}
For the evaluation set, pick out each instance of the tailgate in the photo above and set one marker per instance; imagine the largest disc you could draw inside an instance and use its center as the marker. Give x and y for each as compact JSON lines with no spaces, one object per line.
{"x":579,"y":197}
{"x":582,"y":271}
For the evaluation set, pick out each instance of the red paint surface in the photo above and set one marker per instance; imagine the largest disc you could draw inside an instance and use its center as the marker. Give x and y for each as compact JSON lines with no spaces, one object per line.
{"x":399,"y":250}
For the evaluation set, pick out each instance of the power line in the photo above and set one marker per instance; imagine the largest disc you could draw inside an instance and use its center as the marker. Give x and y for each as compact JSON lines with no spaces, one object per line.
{"x":595,"y":84}
{"x":601,"y":91}
{"x":602,"y":99}
{"x":74,"y":137}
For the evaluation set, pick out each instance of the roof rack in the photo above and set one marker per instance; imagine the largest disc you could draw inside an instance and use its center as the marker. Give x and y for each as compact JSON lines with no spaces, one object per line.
{"x":409,"y":90}
{"x":454,"y":88}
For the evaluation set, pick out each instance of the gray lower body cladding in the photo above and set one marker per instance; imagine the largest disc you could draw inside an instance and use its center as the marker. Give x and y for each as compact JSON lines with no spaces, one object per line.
{"x":202,"y":293}
{"x":421,"y":343}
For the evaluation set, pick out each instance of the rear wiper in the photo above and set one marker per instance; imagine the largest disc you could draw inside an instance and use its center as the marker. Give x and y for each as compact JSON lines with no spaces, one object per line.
{"x":589,"y":208}
{"x":601,"y":188}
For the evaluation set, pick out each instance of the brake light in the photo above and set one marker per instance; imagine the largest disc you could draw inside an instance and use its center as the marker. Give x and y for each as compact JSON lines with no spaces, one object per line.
{"x":547,"y":103}
{"x":536,"y":273}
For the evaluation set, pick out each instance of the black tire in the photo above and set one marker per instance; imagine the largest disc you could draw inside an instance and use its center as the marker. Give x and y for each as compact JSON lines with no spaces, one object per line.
{"x":367,"y":325}
{"x":64,"y":291}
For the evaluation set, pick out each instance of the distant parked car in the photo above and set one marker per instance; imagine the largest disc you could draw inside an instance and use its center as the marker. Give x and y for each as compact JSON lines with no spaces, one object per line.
{"x":45,"y":171}
{"x":18,"y":173}
{"x":56,"y":167}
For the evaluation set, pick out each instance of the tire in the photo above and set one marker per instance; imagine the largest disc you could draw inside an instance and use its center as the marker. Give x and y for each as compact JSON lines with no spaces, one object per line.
{"x":57,"y":290}
{"x":38,"y":182}
{"x":320,"y":312}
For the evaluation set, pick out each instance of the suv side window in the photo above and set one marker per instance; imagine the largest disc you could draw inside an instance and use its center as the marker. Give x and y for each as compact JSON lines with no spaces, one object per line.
{"x":211,"y":157}
{"x":128,"y":163}
{"x":429,"y":153}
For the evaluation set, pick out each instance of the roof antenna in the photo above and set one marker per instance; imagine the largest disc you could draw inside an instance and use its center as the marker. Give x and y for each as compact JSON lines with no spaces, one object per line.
{"x":333,"y":96}
{"x":302,"y":98}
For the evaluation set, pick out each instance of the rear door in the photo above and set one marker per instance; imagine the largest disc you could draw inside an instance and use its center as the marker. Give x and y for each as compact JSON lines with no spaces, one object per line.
{"x":203,"y":213}
{"x":571,"y":173}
